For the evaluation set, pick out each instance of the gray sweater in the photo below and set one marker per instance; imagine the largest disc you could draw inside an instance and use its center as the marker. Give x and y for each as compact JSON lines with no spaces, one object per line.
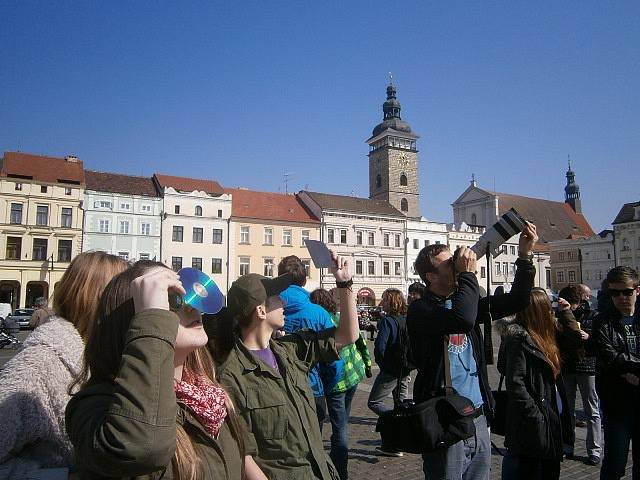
{"x":33,"y":397}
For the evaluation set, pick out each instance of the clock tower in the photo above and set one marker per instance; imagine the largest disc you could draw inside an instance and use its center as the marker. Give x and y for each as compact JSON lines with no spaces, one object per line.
{"x":393,"y":160}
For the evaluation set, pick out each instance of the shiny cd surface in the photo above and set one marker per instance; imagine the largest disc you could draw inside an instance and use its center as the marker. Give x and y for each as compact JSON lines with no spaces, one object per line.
{"x":202,"y":292}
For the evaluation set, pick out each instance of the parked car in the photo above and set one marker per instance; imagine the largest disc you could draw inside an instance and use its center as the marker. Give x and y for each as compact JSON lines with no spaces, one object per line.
{"x":22,"y":315}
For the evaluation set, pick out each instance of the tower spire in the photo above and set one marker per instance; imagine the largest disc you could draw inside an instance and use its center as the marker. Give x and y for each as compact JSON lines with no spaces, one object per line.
{"x":572,"y":189}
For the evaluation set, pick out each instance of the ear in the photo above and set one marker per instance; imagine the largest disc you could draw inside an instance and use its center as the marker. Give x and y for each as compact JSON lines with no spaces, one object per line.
{"x":261,"y":311}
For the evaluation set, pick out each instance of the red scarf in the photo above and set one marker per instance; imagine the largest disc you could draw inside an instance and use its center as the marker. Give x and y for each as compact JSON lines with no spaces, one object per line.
{"x":204,"y":399}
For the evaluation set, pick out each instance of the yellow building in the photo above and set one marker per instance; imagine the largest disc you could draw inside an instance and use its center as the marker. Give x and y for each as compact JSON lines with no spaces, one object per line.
{"x":268,"y":227}
{"x":41,"y":223}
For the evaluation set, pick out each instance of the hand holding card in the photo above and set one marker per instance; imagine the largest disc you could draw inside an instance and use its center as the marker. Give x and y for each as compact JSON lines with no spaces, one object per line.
{"x":320,"y":254}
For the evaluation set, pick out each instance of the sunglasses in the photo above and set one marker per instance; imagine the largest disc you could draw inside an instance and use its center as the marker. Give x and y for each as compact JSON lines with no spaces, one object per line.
{"x":627,"y":292}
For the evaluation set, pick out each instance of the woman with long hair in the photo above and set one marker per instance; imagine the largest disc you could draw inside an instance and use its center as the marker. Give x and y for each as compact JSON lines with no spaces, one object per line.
{"x":35,"y":382}
{"x":387,"y":352}
{"x":149,"y":404}
{"x":537,"y":420}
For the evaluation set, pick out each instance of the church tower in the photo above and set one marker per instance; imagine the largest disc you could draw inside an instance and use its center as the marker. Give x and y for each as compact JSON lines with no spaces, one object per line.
{"x":572,"y":191}
{"x":393,"y":160}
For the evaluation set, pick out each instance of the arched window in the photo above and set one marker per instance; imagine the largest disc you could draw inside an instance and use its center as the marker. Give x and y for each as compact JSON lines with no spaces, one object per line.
{"x":403,"y":180}
{"x":404,"y":205}
{"x":378,"y":181}
{"x":198,"y":211}
{"x":474,"y":219}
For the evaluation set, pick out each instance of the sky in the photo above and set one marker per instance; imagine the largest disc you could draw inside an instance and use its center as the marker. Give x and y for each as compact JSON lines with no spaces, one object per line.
{"x":246,"y":92}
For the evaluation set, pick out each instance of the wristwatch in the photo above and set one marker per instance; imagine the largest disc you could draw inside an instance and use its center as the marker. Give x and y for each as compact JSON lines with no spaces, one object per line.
{"x":346,"y":284}
{"x":526,"y":256}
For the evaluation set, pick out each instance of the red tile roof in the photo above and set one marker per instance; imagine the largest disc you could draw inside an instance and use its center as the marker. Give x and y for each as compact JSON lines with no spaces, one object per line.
{"x":268,"y":206}
{"x":42,"y":169}
{"x":626,"y":213}
{"x":118,"y":183}
{"x":185,"y":184}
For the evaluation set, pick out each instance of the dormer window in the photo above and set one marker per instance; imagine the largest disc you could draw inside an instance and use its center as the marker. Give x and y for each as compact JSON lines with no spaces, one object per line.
{"x":198,"y":212}
{"x":102,"y":204}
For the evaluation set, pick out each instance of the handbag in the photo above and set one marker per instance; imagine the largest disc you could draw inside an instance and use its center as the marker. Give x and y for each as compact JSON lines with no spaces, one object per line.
{"x":499,"y":422}
{"x":430,"y":425}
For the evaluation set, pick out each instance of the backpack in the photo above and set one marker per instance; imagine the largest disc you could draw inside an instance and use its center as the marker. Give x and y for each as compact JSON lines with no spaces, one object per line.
{"x":397,"y":356}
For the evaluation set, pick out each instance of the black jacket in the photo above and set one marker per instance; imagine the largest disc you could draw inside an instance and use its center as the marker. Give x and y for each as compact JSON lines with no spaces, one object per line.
{"x":428,"y":321}
{"x":613,"y":360}
{"x":534,"y":426}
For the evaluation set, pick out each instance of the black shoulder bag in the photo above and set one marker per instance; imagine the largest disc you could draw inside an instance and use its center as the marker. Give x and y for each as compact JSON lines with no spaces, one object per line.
{"x":430,"y":425}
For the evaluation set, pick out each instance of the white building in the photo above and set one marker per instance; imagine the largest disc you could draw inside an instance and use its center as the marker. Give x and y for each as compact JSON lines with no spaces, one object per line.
{"x":196,"y":226}
{"x":421,"y":233}
{"x":626,"y":227}
{"x":122,"y":216}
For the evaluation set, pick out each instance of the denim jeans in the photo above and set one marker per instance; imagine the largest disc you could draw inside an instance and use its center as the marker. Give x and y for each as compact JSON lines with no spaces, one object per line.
{"x":384,"y":384}
{"x":515,"y":467}
{"x":468,"y":459}
{"x":339,"y":407}
{"x":587,"y":385}
{"x":619,"y":430}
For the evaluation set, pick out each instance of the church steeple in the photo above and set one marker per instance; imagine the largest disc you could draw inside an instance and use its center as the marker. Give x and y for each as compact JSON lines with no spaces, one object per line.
{"x":572,"y":190}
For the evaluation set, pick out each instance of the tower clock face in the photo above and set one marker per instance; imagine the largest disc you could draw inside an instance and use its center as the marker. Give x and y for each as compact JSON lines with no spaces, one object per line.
{"x":402,"y":160}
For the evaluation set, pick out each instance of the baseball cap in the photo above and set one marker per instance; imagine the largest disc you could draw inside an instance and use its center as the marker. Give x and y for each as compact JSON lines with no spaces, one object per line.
{"x":251,"y":290}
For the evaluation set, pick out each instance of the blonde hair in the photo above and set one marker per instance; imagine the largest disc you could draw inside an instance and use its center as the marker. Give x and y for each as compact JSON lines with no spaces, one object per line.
{"x":394,"y":302}
{"x":77,"y":294}
{"x":539,"y":321}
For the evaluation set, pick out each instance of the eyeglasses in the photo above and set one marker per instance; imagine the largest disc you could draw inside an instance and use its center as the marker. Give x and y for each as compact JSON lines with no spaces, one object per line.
{"x":627,"y":292}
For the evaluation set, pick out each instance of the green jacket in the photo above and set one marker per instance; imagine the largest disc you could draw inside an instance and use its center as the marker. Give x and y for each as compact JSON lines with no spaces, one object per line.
{"x":356,"y":359}
{"x":279,"y":408}
{"x":127,"y":428}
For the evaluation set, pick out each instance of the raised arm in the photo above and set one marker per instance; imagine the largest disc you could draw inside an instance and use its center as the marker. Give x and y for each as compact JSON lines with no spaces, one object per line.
{"x":348,"y":331}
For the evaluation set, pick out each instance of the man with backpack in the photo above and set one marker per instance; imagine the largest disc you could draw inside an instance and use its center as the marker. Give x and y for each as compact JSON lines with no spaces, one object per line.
{"x":391,"y":352}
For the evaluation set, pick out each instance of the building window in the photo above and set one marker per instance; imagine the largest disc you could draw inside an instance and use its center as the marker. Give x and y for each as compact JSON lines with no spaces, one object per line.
{"x":198,"y":211}
{"x":43,"y":189}
{"x":306,"y":235}
{"x":560,"y":277}
{"x":397,"y":268}
{"x":42,"y":215}
{"x":404,"y":205}
{"x":330,"y":237}
{"x":512,"y":248}
{"x":359,"y":238}
{"x":124,"y":255}
{"x":498,"y":271}
{"x":371,"y":267}
{"x":372,"y":238}
{"x":219,"y":213}
{"x":40,"y":248}
{"x":144,"y":256}
{"x":505,"y":268}
{"x":145,"y":228}
{"x":217,"y":235}
{"x":244,"y":234}
{"x":216,"y":265}
{"x":125,"y":206}
{"x":176,"y":263}
{"x":197,"y":234}
{"x":378,"y":181}
{"x":176,"y":235}
{"x":385,"y":268}
{"x":504,"y":249}
{"x":103,"y":226}
{"x":385,"y":240}
{"x":286,"y":236}
{"x":268,"y":236}
{"x":66,"y":217}
{"x":343,"y":236}
{"x":102,"y":204}
{"x":416,"y":243}
{"x":16,"y":213}
{"x":268,"y":267}
{"x":427,"y":243}
{"x":397,"y":240}
{"x":176,"y":209}
{"x":570,"y":255}
{"x":483,"y":272}
{"x":67,"y":190}
{"x":245,"y":265}
{"x":146,"y":208}
{"x":561,"y":256}
{"x":14,"y":248}
{"x":358,"y":267}
{"x":572,"y":276}
{"x":18,"y":186}
{"x":307,"y":267}
{"x":403,"y":180}
{"x":124,"y":227}
{"x":474,"y":219}
{"x":196,"y":262}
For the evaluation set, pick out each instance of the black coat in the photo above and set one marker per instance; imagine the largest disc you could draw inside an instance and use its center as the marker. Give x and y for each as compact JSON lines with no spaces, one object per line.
{"x":428,"y":321}
{"x":534,"y":426}
{"x":613,"y":360}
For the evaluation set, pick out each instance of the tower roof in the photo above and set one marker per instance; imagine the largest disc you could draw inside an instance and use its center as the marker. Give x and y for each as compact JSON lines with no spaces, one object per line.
{"x":391,"y":115}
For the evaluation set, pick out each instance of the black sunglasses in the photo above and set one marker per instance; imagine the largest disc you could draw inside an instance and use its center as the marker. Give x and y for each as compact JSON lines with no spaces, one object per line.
{"x":627,"y":292}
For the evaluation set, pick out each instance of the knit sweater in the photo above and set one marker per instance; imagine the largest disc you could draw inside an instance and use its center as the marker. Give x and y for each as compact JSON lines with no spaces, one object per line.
{"x":33,"y":397}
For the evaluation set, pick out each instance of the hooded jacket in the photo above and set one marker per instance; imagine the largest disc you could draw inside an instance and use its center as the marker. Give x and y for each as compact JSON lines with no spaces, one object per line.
{"x":33,"y":398}
{"x":300,"y":313}
{"x":535,"y":425}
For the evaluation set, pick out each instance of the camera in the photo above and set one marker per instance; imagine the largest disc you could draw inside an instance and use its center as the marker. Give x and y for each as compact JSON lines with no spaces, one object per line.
{"x":508,"y":225}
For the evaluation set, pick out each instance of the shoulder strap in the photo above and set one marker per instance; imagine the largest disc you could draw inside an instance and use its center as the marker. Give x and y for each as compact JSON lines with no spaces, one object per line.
{"x":448,"y":387}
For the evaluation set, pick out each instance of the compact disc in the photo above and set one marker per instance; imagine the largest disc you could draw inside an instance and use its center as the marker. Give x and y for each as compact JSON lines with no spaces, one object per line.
{"x":202,"y":292}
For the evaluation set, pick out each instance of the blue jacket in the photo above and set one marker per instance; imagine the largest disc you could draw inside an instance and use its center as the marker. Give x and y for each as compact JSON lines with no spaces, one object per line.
{"x":387,"y":335}
{"x":299,"y":313}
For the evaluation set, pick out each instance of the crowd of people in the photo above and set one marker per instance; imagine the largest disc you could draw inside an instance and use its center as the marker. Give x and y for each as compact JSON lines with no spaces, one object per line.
{"x":116,"y":381}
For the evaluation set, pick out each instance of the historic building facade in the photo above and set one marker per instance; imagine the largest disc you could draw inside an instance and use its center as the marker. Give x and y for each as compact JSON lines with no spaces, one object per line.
{"x":626,"y":227}
{"x":41,"y":220}
{"x":421,"y":233}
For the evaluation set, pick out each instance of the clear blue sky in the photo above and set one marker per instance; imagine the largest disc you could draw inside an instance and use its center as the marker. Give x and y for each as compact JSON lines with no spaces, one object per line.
{"x":242,"y":92}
